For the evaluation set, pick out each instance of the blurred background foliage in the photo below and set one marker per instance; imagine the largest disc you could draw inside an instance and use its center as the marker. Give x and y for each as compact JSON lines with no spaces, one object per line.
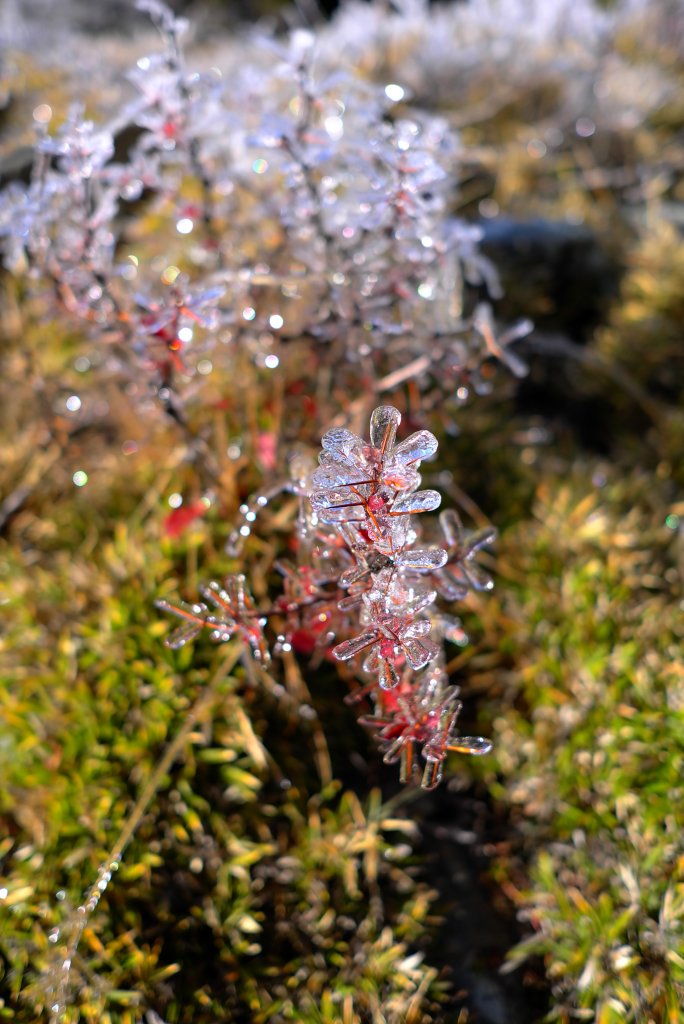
{"x":257,"y":888}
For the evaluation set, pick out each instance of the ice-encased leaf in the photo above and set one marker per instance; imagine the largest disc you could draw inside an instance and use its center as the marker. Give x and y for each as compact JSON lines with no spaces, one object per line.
{"x":469,"y":745}
{"x":517,"y":367}
{"x":477,"y":577}
{"x":452,"y":527}
{"x":389,"y":536}
{"x":347,"y":649}
{"x":422,"y":559}
{"x":388,"y":676}
{"x":421,"y":501}
{"x":331,"y":474}
{"x":420,"y":445}
{"x":450,"y":586}
{"x":420,"y":652}
{"x":370,"y":662}
{"x":398,"y":476}
{"x":194,"y":621}
{"x":394,"y":751}
{"x":341,"y":441}
{"x":334,"y":499}
{"x":383,"y":426}
{"x":338,"y":471}
{"x":420,"y":599}
{"x":432,"y":775}
{"x":346,"y":604}
{"x":482,"y":538}
{"x":182,"y":636}
{"x":351,"y":575}
{"x":344,"y":514}
{"x":417,"y":629}
{"x":219,"y":597}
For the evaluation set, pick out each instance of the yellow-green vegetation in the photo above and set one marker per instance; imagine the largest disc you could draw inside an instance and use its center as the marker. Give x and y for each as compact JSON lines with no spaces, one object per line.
{"x":645,"y":331}
{"x":255,"y":887}
{"x":590,"y":744}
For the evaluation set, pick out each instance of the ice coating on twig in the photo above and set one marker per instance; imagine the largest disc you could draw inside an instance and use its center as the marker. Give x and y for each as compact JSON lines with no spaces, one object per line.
{"x":367,"y":492}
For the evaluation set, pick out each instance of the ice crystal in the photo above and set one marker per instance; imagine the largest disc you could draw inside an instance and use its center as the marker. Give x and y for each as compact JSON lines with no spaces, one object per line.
{"x":235,"y":614}
{"x":367,"y":492}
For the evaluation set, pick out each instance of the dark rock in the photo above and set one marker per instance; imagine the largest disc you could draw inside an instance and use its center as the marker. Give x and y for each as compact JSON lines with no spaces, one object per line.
{"x":558,"y":274}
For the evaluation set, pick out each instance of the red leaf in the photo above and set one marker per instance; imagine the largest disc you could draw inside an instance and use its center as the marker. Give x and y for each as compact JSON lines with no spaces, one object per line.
{"x":178,"y":521}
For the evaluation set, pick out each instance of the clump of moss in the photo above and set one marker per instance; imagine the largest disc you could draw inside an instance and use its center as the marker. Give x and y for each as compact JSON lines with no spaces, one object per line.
{"x":644,"y":335}
{"x":588,"y":729}
{"x":249,"y":892}
{"x":255,"y":888}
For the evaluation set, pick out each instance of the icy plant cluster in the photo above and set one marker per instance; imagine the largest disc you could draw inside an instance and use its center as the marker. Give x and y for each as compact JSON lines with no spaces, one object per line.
{"x":364,"y":570}
{"x":454,"y":52}
{"x":216,"y":217}
{"x":368,"y":492}
{"x":223,"y":212}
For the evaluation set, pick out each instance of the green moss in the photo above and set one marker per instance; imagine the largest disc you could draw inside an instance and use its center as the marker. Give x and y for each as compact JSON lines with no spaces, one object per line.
{"x":251,"y":891}
{"x":644,"y":334}
{"x":589,"y":741}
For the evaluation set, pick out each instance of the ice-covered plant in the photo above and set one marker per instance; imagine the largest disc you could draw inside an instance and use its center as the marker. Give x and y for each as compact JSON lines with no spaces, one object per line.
{"x":364,"y":573}
{"x":298,"y":201}
{"x":216,"y":212}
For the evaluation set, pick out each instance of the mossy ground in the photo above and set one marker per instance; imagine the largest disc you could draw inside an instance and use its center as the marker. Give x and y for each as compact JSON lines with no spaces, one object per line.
{"x":256,"y":888}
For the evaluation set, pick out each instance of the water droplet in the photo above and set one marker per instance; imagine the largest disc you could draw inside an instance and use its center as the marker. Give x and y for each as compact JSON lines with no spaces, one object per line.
{"x":42,"y":113}
{"x":536,"y":148}
{"x":585,"y":127}
{"x":394,"y":92}
{"x":170,"y":275}
{"x":488,"y":208}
